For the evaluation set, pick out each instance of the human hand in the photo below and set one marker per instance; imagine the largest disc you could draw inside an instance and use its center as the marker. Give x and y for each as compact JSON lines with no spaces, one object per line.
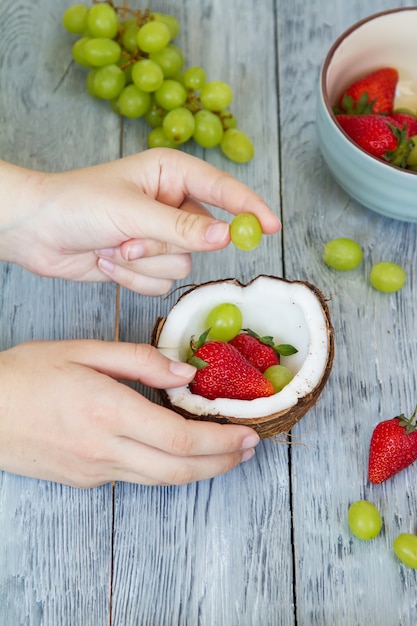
{"x":65,"y":418}
{"x":133,"y":221}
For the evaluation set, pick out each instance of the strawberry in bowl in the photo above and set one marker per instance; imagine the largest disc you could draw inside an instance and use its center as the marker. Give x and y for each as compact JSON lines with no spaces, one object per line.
{"x":370,"y":71}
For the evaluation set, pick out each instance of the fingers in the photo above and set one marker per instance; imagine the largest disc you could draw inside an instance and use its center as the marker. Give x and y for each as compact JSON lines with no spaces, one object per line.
{"x":158,"y":427}
{"x":152,"y":276}
{"x":150,"y":466}
{"x":181,"y":177}
{"x":168,"y":431}
{"x":130,"y":361}
{"x":206,"y":183}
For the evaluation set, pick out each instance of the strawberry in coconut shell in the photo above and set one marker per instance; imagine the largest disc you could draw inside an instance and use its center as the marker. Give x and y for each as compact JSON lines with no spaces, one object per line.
{"x":222,"y":372}
{"x":374,"y":93}
{"x":393,"y":447}
{"x":379,"y":135}
{"x":294,"y":310}
{"x":260,"y":351}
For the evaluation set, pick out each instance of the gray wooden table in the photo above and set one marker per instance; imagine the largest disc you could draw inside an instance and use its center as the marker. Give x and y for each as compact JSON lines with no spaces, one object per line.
{"x":268,"y":543}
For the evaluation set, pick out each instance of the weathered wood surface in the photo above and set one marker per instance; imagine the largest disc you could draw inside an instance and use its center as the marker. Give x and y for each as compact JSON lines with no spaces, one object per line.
{"x":268,"y":543}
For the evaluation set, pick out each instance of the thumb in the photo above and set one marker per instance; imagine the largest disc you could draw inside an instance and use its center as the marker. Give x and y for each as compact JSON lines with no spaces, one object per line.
{"x":130,"y":361}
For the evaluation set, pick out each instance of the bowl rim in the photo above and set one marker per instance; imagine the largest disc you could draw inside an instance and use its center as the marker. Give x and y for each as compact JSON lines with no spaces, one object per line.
{"x":323,"y":75}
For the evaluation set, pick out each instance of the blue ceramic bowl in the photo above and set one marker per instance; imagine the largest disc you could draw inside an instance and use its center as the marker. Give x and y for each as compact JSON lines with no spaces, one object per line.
{"x":383,"y":39}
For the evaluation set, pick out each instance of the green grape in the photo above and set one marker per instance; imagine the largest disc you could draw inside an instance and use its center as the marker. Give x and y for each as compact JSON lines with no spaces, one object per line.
{"x":170,"y":21}
{"x":99,"y":51}
{"x":153,"y":36}
{"x":127,"y":70}
{"x":102,"y":21}
{"x":108,"y":82}
{"x":178,"y":125}
{"x":157,"y":139}
{"x":228,"y":119}
{"x":89,"y":83}
{"x":412,"y":157}
{"x":216,"y":95}
{"x":128,"y":22}
{"x":129,"y":38}
{"x":387,"y":277}
{"x":74,"y":19}
{"x":405,"y":548}
{"x":147,"y":75}
{"x":224,"y":321}
{"x":171,"y":95}
{"x":342,"y":254}
{"x":114,"y":106}
{"x":155,"y":115}
{"x":208,"y":131}
{"x":133,"y":102}
{"x":279,"y":375}
{"x":78,"y":52}
{"x":237,"y":146}
{"x":170,"y":60}
{"x":364,"y":520}
{"x":246,"y":231}
{"x":194,"y":78}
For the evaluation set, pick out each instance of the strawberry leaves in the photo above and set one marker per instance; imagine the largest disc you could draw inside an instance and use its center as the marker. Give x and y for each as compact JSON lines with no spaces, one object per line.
{"x":283,"y":349}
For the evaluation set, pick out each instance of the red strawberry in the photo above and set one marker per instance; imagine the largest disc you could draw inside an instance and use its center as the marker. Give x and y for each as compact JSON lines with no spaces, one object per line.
{"x":393,"y":447}
{"x":379,"y":135}
{"x":409,"y":120}
{"x":374,"y":93}
{"x":224,"y":373}
{"x":260,"y":351}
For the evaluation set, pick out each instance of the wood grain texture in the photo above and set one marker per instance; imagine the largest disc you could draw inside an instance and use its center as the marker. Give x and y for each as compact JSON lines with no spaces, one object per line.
{"x":340,"y":579}
{"x":55,"y":542}
{"x":268,"y":543}
{"x":219,"y":552}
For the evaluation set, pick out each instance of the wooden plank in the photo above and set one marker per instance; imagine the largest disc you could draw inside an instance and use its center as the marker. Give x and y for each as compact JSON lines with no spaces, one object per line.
{"x":218,"y":552}
{"x":55,"y":546}
{"x":338,"y":578}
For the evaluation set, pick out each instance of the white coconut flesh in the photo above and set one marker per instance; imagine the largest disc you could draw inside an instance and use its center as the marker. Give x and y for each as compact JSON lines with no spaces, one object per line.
{"x":290,"y":312}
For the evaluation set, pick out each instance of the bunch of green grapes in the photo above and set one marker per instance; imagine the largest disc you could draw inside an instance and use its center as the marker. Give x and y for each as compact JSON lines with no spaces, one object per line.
{"x":132,"y":62}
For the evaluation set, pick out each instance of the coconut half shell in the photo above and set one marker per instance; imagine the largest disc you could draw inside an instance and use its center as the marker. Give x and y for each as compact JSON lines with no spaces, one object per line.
{"x":293,"y":312}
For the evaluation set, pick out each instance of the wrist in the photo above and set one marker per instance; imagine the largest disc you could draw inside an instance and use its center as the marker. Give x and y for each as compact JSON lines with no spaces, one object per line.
{"x":19,"y":202}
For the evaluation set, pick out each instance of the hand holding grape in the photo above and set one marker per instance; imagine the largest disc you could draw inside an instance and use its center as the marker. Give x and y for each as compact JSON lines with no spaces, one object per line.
{"x":133,"y":221}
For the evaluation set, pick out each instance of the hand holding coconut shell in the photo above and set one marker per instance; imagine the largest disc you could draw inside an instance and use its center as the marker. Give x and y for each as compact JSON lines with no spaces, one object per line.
{"x":85,"y":428}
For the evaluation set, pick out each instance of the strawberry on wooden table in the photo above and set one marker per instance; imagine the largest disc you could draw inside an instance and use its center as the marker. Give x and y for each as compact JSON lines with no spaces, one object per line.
{"x":222,"y":372}
{"x":379,"y":135}
{"x":393,"y":447}
{"x":260,"y":351}
{"x":373,"y":93}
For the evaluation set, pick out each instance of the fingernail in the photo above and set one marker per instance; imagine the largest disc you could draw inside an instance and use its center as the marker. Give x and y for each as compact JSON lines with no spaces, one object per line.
{"x":107,"y":252}
{"x":184,"y":370}
{"x":248,"y":454}
{"x":134,"y":252}
{"x":250,"y":442}
{"x":217,"y":232}
{"x":106,"y":265}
